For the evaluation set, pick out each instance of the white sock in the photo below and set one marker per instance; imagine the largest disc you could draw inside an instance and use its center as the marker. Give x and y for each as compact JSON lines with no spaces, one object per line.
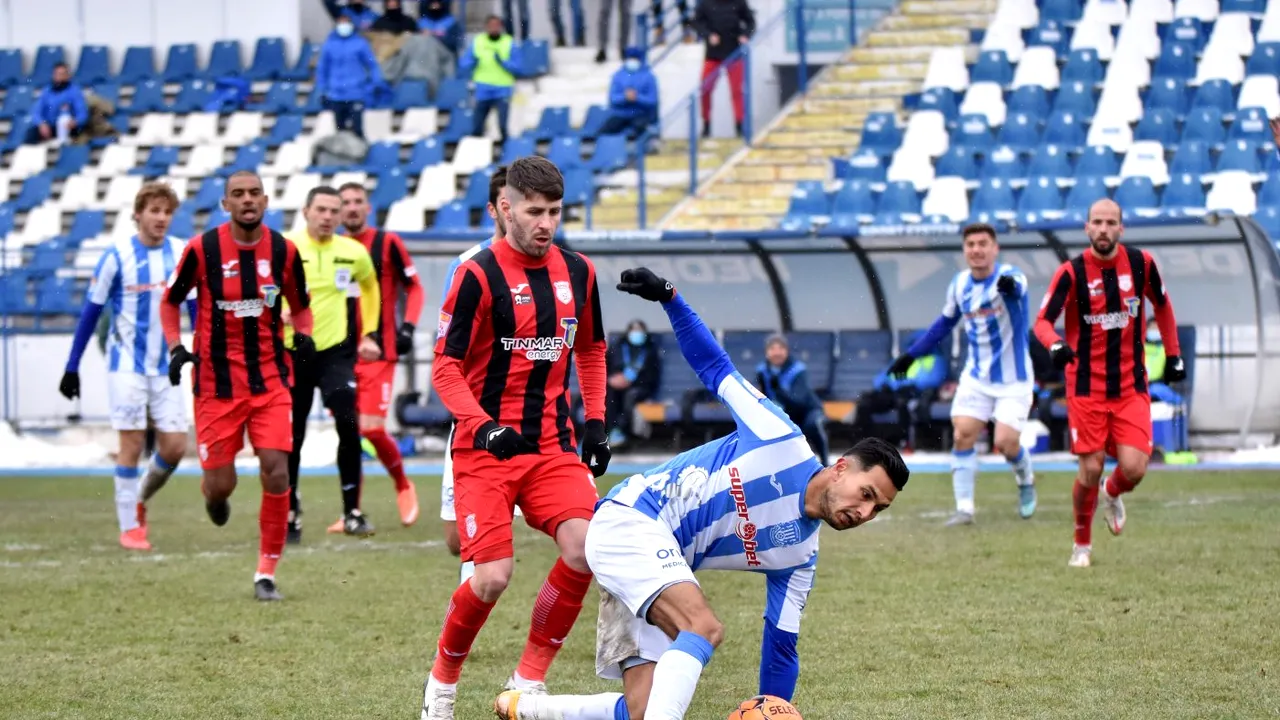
{"x":263,"y":576}
{"x":964,"y":471}
{"x":127,"y":497}
{"x":570,"y":707}
{"x":158,"y":472}
{"x":676,"y":676}
{"x":466,"y":571}
{"x":1022,"y":467}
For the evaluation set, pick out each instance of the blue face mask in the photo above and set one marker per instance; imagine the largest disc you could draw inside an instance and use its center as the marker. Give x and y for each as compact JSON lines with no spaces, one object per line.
{"x":345,"y":29}
{"x":631,"y":64}
{"x":1153,"y":337}
{"x":636,"y":337}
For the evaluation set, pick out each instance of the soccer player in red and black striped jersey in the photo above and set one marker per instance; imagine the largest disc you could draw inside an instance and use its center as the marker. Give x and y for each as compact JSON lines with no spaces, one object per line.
{"x":374,"y":378}
{"x":1102,"y":292}
{"x":515,"y":314}
{"x":242,"y":374}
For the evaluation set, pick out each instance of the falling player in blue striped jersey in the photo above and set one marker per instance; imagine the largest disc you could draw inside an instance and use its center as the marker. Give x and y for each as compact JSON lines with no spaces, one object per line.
{"x":131,"y":276}
{"x":997,"y":381}
{"x":753,"y":501}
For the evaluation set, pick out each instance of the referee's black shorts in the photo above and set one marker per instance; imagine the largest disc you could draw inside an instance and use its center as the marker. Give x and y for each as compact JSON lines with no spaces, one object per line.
{"x":332,"y":372}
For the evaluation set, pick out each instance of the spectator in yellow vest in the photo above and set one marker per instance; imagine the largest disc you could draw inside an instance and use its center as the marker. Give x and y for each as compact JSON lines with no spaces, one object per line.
{"x":493,"y":61}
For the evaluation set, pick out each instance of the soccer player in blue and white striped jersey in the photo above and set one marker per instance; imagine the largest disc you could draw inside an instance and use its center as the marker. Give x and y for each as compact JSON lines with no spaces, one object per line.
{"x":753,"y":501}
{"x":997,"y":381}
{"x":131,"y":277}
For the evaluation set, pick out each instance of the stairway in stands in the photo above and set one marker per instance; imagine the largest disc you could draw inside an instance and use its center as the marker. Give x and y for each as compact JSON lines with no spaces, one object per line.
{"x":753,"y":191}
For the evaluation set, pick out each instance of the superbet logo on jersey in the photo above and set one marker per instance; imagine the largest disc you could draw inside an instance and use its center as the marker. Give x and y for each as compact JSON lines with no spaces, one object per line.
{"x":745,"y":529}
{"x":545,"y":348}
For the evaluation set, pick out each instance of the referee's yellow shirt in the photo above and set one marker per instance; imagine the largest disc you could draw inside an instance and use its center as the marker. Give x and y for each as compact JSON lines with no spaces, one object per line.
{"x":333,"y":267}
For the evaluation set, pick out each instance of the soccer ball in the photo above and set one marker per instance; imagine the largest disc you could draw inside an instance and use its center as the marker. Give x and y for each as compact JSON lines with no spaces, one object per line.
{"x":763,"y":707}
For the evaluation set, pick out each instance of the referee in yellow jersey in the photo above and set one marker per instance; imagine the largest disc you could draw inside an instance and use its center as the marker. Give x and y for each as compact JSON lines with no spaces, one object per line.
{"x":333,"y":264}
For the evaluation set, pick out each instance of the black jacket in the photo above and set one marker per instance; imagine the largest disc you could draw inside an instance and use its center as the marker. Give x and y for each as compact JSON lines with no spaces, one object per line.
{"x":728,"y":19}
{"x":641,"y":363}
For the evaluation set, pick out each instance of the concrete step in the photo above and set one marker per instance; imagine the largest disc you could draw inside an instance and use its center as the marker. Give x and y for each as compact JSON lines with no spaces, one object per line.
{"x":772,"y":206}
{"x":631,"y":196}
{"x":883,"y":71}
{"x":768,"y":156}
{"x":831,"y":139}
{"x":614,"y":217}
{"x":929,"y":22}
{"x":680,"y":161}
{"x":735,"y":188}
{"x":914,"y":38}
{"x":889,"y":54}
{"x":928,"y":7}
{"x":865,"y":89}
{"x":851,"y":106}
{"x":722,"y":222}
{"x":816,"y":168}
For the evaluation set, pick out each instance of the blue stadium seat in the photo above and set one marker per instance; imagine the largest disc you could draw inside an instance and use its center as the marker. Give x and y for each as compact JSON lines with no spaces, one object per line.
{"x":579,"y":187}
{"x":941,"y":99}
{"x":1076,"y":98}
{"x":49,"y":255}
{"x":268,"y":60}
{"x":183,"y":224}
{"x":992,"y":66}
{"x":274,"y":219}
{"x":853,"y":198}
{"x":893,"y":218}
{"x":1240,"y":154}
{"x":880,"y":133}
{"x":1003,"y":163}
{"x":87,"y":224}
{"x":1183,"y":191}
{"x":1098,"y":161}
{"x":1252,"y":124}
{"x":993,"y":200}
{"x":477,"y":192}
{"x":959,"y":162}
{"x":1205,"y":124}
{"x":302,"y":69}
{"x":410,"y":94}
{"x":139,"y":65}
{"x":147,"y":97}
{"x":863,"y":164}
{"x":610,"y":154}
{"x":1041,"y":196}
{"x":17,"y":132}
{"x":973,"y":132}
{"x":1030,"y":99}
{"x":486,"y":221}
{"x":816,"y":349}
{"x":1136,"y":194}
{"x":6,"y":219}
{"x":119,"y":121}
{"x":1265,"y":60}
{"x":1064,"y":128}
{"x":1050,"y":161}
{"x":35,"y":190}
{"x":158,"y":162}
{"x":47,"y":56}
{"x":553,"y":123}
{"x":393,"y":184}
{"x":808,"y":201}
{"x":94,"y":65}
{"x":1158,"y":125}
{"x":57,"y":296}
{"x":224,"y":60}
{"x":17,"y":103}
{"x":280,"y":98}
{"x":1169,"y":94}
{"x":71,"y":160}
{"x":593,"y":123}
{"x":745,"y":349}
{"x":1085,"y":192}
{"x":1252,"y":7}
{"x":1050,"y":34}
{"x":516,"y":147}
{"x":1022,"y":131}
{"x":1186,"y":31}
{"x":462,"y":122}
{"x":566,"y":152}
{"x":424,"y":154}
{"x":1269,"y":194}
{"x":1083,"y":66}
{"x":287,"y":126}
{"x":108,"y":91}
{"x":1066,"y":12}
{"x":248,"y":157}
{"x":1177,"y":60}
{"x":1216,"y":93}
{"x":1268,"y":218}
{"x":535,"y":58}
{"x":381,"y":157}
{"x":192,"y":97}
{"x":1191,"y":157}
{"x":13,"y":293}
{"x":453,"y":93}
{"x":863,"y":354}
{"x":454,"y":216}
{"x":180,"y":64}
{"x":11,"y":70}
{"x":209,"y":195}
{"x":217,"y":217}
{"x":313,"y":103}
{"x":900,"y":198}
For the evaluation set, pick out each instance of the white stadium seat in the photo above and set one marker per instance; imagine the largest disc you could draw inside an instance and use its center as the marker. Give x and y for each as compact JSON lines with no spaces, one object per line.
{"x":1096,"y":36}
{"x":437,"y":186}
{"x":987,"y":99}
{"x":296,"y":188}
{"x":1221,"y":64}
{"x":377,"y":125}
{"x":1004,"y":37}
{"x":120,"y":193}
{"x":1160,"y":11}
{"x":1232,"y":32}
{"x":947,"y":69}
{"x":197,"y":129}
{"x":472,"y":154}
{"x":1270,"y":29}
{"x":912,"y":165}
{"x":1145,"y":159}
{"x":1115,"y":134}
{"x":28,"y":160}
{"x":1232,"y":191}
{"x":927,"y":132}
{"x":42,"y":223}
{"x":116,"y":159}
{"x":4,"y":186}
{"x":242,"y":129}
{"x":1138,"y":36}
{"x":342,"y":178}
{"x":179,"y":185}
{"x":1039,"y":66}
{"x":203,"y":160}
{"x":416,"y":124}
{"x":947,"y":196}
{"x":1109,"y":12}
{"x":1261,"y":91}
{"x":1119,"y":101}
{"x":292,"y":157}
{"x":154,"y":129}
{"x":1022,"y":14}
{"x":405,"y":215}
{"x":1202,"y":10}
{"x":79,"y":192}
{"x":123,"y":227}
{"x":1128,"y":70}
{"x":324,"y":127}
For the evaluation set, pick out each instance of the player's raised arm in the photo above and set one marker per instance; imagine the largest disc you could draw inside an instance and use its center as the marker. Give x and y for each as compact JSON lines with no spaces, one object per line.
{"x":941,"y":327}
{"x":1158,"y":294}
{"x":786,"y":595}
{"x":1061,"y":291}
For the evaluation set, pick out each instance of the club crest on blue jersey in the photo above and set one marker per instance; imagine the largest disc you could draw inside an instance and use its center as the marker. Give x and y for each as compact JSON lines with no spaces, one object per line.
{"x":784,"y":534}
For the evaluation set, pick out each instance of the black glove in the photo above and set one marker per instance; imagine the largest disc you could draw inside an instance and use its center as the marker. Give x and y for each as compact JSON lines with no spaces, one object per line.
{"x":503,"y":442}
{"x":304,"y":349}
{"x":178,"y":357}
{"x":901,"y":365}
{"x":1175,"y":370}
{"x":70,"y":385}
{"x":642,"y":283}
{"x":595,"y":448}
{"x":404,"y":339}
{"x":1006,"y":285}
{"x":1062,"y":355}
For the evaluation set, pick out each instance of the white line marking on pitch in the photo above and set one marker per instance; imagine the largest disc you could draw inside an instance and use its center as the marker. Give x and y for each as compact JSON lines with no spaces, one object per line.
{"x":162,"y":557}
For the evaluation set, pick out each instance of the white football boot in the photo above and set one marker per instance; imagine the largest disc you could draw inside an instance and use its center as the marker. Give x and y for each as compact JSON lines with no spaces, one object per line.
{"x":1081,"y":556}
{"x":1112,"y":510}
{"x":438,"y":700}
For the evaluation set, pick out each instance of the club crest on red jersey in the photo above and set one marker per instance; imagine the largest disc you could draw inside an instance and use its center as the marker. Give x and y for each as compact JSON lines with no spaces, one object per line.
{"x":563,"y":292}
{"x":1125,"y":282}
{"x":264,"y":268}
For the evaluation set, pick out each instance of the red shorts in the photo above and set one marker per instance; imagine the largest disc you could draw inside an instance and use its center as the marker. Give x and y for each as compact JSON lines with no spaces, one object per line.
{"x":549,"y":489}
{"x":221,"y":424}
{"x":373,"y":386}
{"x":1101,"y":424}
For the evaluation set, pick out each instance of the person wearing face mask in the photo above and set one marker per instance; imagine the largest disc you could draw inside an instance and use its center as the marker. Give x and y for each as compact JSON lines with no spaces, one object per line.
{"x":357,"y":12}
{"x":493,"y":61}
{"x":394,"y":20}
{"x":60,"y":112}
{"x":633,"y":97}
{"x":634,"y":369}
{"x":345,"y":74}
{"x":437,"y":21}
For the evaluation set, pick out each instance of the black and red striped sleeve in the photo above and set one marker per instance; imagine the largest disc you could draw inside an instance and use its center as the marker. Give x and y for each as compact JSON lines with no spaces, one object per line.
{"x":185,"y":277}
{"x":295,"y":290}
{"x":1158,"y":294}
{"x":1060,"y":292}
{"x":590,"y":351}
{"x":455,"y":337}
{"x":407,"y":274}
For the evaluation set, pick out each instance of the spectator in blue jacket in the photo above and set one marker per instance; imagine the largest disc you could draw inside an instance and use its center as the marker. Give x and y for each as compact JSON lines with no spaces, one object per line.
{"x":633,"y":96}
{"x":785,"y":380}
{"x":634,"y":372}
{"x":60,"y":112}
{"x":889,"y":394}
{"x":345,"y":75}
{"x":356,"y":11}
{"x":493,"y":62}
{"x":436,"y":20}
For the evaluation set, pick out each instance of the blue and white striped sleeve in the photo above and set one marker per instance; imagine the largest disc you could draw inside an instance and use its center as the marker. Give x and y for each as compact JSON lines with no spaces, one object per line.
{"x":448,"y":278}
{"x":942,"y":326}
{"x":1019,"y":278}
{"x":786,"y":595}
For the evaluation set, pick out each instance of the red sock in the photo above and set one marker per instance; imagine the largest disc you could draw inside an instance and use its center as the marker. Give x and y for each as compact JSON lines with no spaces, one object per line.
{"x":389,"y":455}
{"x":1118,"y":484}
{"x":462,"y":622}
{"x":1085,"y":501}
{"x":554,"y":613}
{"x":273,"y":519}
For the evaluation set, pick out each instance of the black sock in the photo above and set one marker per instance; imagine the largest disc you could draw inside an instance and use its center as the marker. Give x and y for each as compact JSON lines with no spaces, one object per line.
{"x":350,"y":470}
{"x":303,"y":393}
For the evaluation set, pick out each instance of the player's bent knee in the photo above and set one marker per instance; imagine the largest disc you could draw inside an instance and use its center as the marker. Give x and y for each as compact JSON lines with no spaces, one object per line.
{"x":709,"y":627}
{"x":571,"y":538}
{"x":491,"y":579}
{"x":171,"y":446}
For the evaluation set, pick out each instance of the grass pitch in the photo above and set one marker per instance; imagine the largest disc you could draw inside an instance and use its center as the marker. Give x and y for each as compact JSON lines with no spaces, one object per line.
{"x":1179,"y":618}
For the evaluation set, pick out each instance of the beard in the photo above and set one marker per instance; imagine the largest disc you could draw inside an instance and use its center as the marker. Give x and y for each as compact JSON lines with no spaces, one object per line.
{"x":523,"y":240}
{"x":248,"y":226}
{"x":1103,"y":246}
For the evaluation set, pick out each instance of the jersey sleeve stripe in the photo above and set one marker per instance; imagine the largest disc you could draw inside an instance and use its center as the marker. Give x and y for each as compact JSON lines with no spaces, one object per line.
{"x":760,"y":416}
{"x":465,"y":306}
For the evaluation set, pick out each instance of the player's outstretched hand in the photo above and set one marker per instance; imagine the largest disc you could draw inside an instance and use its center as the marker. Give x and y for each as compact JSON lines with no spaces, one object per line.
{"x":1062,"y":355}
{"x":503,"y":442}
{"x":404,"y":338}
{"x":1006,"y":285}
{"x":178,"y":357}
{"x":595,"y":448}
{"x":1175,"y":370}
{"x":642,"y":283}
{"x":70,"y":385}
{"x":901,"y":365}
{"x":304,"y":349}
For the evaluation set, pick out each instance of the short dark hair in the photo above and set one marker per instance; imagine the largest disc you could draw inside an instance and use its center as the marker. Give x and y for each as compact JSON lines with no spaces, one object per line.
{"x":491,"y":17}
{"x":535,"y":174}
{"x":62,"y":65}
{"x":318,"y":191}
{"x":977,"y":228}
{"x":352,"y":186}
{"x":226,"y":187}
{"x":497,"y":181}
{"x":871,"y":452}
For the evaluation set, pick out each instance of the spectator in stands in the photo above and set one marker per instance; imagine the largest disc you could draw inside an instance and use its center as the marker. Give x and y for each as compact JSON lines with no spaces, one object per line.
{"x":60,"y":113}
{"x":394,"y":20}
{"x":633,"y":97}
{"x":634,"y":368}
{"x":509,"y":17}
{"x":624,"y":27}
{"x":659,"y":31}
{"x":1155,"y":360}
{"x":493,"y":61}
{"x":575,"y":16}
{"x":346,"y":73}
{"x":725,"y":25}
{"x":440,"y":23}
{"x":889,"y":394}
{"x":360,"y":15}
{"x":785,"y":380}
